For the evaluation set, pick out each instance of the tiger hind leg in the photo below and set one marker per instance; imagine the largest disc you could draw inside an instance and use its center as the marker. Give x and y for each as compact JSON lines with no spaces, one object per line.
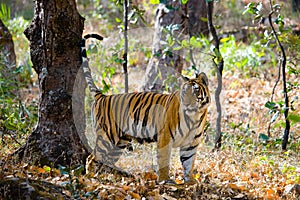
{"x":104,"y":157}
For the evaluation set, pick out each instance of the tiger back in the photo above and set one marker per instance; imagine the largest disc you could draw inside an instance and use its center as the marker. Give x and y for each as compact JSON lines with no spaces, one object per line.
{"x":172,"y":120}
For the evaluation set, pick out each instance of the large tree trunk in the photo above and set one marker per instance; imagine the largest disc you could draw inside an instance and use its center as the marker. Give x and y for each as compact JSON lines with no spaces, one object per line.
{"x":54,"y":36}
{"x":166,"y":63}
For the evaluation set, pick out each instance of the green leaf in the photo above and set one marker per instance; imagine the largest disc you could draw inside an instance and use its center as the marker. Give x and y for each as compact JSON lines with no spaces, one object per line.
{"x":11,"y":126}
{"x":223,"y":40}
{"x":154,"y":2}
{"x":195,"y":43}
{"x":177,"y":48}
{"x":218,"y":54}
{"x":184,"y":43}
{"x":250,"y":8}
{"x":118,"y":20}
{"x":280,"y":123}
{"x":292,"y":70}
{"x":4,"y":13}
{"x":263,"y":137}
{"x":47,"y":168}
{"x":184,"y":1}
{"x":263,"y":158}
{"x":78,"y":170}
{"x":105,"y":86}
{"x":204,"y":19}
{"x":294,"y":117}
{"x":270,"y":105}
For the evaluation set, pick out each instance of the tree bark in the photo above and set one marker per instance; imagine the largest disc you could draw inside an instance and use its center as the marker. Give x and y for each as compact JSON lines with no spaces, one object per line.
{"x":54,"y":36}
{"x":166,"y":63}
{"x":197,"y":11}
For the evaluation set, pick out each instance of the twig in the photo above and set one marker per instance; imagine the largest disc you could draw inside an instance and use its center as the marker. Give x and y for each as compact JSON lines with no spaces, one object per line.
{"x":220,"y":65}
{"x":286,"y":99}
{"x":125,"y":59}
{"x":273,"y":92}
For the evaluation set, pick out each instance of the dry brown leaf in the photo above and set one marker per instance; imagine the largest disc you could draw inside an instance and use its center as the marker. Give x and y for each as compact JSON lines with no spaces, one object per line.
{"x":233,"y":186}
{"x":179,"y":181}
{"x":150,"y":176}
{"x":254,"y":174}
{"x":271,"y":194}
{"x":40,"y":170}
{"x":54,"y":172}
{"x":134,"y":195}
{"x":125,"y":187}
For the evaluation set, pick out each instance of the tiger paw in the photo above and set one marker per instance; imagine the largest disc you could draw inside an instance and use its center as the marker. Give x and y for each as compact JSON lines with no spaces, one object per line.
{"x":115,"y":170}
{"x":189,"y":181}
{"x":167,"y":182}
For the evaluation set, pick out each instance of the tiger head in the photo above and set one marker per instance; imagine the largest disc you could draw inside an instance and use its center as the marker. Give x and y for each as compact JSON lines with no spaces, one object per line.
{"x":194,"y":93}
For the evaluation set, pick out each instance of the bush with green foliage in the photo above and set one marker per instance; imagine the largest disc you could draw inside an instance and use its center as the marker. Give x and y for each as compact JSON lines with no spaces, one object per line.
{"x":17,"y":117}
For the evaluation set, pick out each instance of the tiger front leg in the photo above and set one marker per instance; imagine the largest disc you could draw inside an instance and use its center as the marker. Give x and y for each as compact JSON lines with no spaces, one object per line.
{"x":164,"y":147}
{"x":187,"y":158}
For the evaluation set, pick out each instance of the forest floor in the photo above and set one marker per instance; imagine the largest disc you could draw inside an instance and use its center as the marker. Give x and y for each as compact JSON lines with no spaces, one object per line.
{"x":249,"y":164}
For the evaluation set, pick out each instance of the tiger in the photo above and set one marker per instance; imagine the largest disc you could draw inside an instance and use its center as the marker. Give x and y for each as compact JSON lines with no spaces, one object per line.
{"x":174,"y":120}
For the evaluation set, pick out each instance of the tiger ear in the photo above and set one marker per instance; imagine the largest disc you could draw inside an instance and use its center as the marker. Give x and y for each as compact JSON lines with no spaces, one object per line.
{"x":203,"y":78}
{"x":182,"y":78}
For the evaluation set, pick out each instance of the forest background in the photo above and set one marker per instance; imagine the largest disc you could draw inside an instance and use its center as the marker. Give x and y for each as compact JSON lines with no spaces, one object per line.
{"x":250,"y":163}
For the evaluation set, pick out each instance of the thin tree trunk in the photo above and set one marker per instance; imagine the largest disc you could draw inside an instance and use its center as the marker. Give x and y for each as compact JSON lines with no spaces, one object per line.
{"x":8,"y":60}
{"x":219,"y":65}
{"x":285,"y":93}
{"x":125,"y":58}
{"x":54,"y":36}
{"x":7,"y":47}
